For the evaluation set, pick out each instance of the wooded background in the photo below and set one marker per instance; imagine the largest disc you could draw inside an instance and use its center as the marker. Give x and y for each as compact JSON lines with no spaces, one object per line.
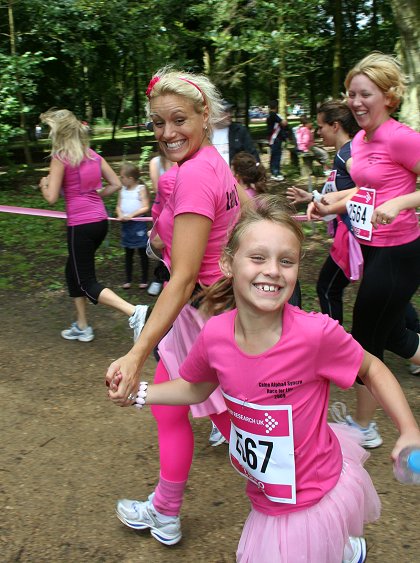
{"x":96,"y":57}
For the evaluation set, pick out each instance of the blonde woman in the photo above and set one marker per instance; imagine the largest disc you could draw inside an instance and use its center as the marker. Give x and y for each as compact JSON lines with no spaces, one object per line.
{"x":385,"y":166}
{"x":77,"y":171}
{"x":192,"y":228}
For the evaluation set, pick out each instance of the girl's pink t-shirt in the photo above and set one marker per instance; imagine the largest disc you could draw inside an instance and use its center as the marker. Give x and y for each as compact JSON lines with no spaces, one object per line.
{"x":313,"y":351}
{"x":304,"y":138}
{"x":205,"y":186}
{"x":80,"y":184}
{"x":385,"y":164}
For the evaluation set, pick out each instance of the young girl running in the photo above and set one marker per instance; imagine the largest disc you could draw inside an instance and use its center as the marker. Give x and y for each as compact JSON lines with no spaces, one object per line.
{"x":133,"y":201}
{"x":250,"y":173}
{"x":309,"y":491}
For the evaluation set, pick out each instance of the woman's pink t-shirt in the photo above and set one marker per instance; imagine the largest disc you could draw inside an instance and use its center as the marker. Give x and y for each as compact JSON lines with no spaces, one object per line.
{"x":313,"y":351}
{"x":385,"y":164}
{"x":205,"y":186}
{"x":166,"y":184}
{"x":80,"y":184}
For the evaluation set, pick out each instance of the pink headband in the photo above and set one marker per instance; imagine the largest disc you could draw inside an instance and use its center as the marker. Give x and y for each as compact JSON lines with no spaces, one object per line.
{"x":156,"y":79}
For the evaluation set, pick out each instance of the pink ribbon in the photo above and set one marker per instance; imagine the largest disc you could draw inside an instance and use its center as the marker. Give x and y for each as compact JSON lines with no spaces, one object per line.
{"x":52,"y":214}
{"x":62,"y":214}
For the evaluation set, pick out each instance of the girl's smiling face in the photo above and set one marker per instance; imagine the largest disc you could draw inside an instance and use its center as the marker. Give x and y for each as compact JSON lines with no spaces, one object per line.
{"x":179,"y":129}
{"x":264,"y":267}
{"x":370,"y":106}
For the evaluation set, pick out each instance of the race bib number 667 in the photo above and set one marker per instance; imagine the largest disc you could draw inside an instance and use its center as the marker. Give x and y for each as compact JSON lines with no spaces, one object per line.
{"x":261,"y":447}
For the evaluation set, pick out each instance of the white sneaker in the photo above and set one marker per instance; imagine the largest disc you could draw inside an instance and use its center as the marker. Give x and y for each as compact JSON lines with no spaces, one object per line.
{"x":370,"y":435}
{"x":138,"y":320}
{"x":359,"y":550}
{"x":414,"y":369}
{"x":216,"y":437}
{"x":142,"y":516}
{"x":154,"y":288}
{"x":75,"y":333}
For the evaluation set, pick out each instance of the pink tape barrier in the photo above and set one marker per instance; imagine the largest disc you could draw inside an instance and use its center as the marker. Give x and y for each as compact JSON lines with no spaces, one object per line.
{"x":50,"y":213}
{"x":62,"y":215}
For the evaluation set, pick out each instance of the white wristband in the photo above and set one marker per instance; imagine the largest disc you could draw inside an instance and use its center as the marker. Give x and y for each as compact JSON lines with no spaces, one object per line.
{"x":141,"y":395}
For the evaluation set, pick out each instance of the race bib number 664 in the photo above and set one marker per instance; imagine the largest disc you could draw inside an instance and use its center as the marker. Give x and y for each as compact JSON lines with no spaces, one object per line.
{"x":360,"y":210}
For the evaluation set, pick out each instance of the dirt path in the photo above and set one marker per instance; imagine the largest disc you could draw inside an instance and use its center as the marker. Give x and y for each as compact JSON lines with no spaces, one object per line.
{"x":67,"y":454}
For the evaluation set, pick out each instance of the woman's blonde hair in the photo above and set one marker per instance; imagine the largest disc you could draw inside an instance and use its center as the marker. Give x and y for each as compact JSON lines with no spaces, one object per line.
{"x":385,"y":72}
{"x":69,"y":136}
{"x":195,"y":87}
{"x":219,"y":296}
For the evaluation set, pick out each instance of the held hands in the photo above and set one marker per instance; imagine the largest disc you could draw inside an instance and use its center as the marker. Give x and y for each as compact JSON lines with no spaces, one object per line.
{"x":122,"y":379}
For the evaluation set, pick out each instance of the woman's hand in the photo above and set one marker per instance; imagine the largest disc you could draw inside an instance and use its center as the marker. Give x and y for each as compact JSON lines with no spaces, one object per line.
{"x":385,"y":213}
{"x":43,"y":183}
{"x":297,"y":195}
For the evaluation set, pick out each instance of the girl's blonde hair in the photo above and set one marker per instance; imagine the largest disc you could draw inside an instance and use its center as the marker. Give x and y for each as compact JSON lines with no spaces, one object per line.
{"x":219,"y":296}
{"x":385,"y":72}
{"x":251,"y":172}
{"x":195,"y":87}
{"x":70,"y":137}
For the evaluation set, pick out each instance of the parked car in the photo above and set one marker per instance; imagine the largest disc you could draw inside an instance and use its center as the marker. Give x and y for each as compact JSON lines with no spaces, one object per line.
{"x":256,"y":112}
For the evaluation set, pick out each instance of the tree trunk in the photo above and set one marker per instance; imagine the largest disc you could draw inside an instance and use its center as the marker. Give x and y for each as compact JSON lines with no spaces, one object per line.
{"x":337,"y":58}
{"x":282,"y":84}
{"x":407,"y":17}
{"x":22,"y":115}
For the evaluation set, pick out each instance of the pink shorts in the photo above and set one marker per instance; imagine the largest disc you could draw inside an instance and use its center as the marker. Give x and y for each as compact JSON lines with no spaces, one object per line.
{"x":173,"y":349}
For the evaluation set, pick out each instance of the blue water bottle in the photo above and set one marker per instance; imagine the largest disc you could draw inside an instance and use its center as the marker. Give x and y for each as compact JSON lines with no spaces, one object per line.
{"x":407,"y":466}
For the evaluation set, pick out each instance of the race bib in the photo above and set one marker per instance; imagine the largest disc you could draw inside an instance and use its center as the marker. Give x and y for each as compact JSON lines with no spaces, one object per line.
{"x":261,"y":447}
{"x":330,"y":185}
{"x":360,"y":210}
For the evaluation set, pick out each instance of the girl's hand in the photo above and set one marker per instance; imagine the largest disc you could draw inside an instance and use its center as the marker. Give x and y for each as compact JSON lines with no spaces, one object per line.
{"x":385,"y":213}
{"x":297,"y":195}
{"x":122,"y":379}
{"x":410,"y":438}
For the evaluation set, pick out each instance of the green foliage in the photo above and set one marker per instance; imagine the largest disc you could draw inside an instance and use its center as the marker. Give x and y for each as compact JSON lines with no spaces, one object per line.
{"x":96,"y":57}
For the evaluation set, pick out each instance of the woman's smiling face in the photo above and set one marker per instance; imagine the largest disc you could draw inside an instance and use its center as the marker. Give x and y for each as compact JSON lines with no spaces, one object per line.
{"x":179,"y":129}
{"x":370,"y":106}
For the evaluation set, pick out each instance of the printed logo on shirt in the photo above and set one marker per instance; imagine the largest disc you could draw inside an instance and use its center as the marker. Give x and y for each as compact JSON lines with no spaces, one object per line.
{"x":280,"y":389}
{"x":232,"y":199}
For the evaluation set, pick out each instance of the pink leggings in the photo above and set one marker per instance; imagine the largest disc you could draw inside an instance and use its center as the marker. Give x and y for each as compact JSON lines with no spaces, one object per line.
{"x":176,"y":447}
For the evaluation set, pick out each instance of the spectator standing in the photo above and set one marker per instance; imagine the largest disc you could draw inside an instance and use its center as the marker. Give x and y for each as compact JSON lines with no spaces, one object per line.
{"x":133,"y":201}
{"x":230,"y":137}
{"x":275,"y":140}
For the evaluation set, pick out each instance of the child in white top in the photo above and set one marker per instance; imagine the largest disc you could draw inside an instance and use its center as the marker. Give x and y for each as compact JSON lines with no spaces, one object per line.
{"x":133,"y":201}
{"x":309,"y":491}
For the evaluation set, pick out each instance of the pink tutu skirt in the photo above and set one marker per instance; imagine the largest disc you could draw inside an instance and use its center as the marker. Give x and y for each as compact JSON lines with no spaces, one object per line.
{"x":173,"y":349}
{"x":317,"y":534}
